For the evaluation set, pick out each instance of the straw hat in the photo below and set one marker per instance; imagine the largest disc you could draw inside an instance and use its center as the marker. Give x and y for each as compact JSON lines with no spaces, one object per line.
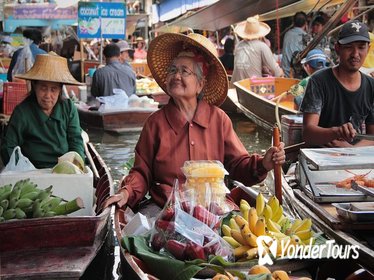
{"x":252,"y":29}
{"x":165,"y":48}
{"x":51,"y":68}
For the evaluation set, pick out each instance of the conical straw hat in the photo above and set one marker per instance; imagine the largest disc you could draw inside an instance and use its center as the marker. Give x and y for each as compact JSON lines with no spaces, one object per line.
{"x":50,"y":67}
{"x":165,"y":48}
{"x":251,"y":29}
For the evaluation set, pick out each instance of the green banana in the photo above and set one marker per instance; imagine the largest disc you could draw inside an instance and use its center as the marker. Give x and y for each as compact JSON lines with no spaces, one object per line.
{"x":4,"y":203}
{"x":20,"y":214}
{"x":50,"y":214}
{"x":9,"y":214}
{"x":6,"y":192}
{"x":15,"y":194}
{"x":12,"y":203}
{"x":51,"y":204}
{"x":2,"y":219}
{"x":5,"y":188}
{"x":31,"y":195}
{"x":38,"y":213}
{"x":27,"y":187}
{"x":23,"y":203}
{"x":1,"y":211}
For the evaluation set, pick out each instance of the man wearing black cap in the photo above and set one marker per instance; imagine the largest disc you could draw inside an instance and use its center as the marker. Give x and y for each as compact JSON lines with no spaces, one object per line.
{"x":339,"y":100}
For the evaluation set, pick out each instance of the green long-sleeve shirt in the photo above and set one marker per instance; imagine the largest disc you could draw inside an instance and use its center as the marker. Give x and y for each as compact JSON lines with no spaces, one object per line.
{"x":43,"y":138}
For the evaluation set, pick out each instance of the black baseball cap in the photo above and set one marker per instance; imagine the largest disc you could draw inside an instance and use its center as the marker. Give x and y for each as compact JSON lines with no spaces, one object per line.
{"x":353,"y":31}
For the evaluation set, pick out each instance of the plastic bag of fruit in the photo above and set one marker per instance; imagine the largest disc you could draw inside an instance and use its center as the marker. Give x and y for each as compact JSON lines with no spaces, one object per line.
{"x":185,"y":236}
{"x":205,"y":185}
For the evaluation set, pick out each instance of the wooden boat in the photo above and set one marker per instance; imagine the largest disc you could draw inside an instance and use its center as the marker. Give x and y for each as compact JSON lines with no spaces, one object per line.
{"x":60,"y":247}
{"x":261,"y":107}
{"x":114,"y":121}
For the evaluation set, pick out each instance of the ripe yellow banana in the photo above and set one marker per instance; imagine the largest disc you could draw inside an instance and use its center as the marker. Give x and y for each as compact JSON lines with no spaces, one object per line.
{"x":306,"y":224}
{"x":240,"y":221}
{"x":273,"y":203}
{"x":305,"y":234}
{"x":268,"y":213}
{"x":233,"y":224}
{"x":260,"y":204}
{"x":238,"y":237}
{"x":277,"y":215}
{"x":226,"y":230}
{"x":251,"y":253}
{"x":295,"y":240}
{"x":260,"y":227}
{"x":240,"y":251}
{"x":252,"y":218}
{"x":273,"y":226}
{"x":244,"y":205}
{"x":231,"y":241}
{"x":251,"y":239}
{"x":296,"y":224}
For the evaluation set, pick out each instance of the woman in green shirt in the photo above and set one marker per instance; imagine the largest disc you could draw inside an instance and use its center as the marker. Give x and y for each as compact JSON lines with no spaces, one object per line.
{"x":45,"y":125}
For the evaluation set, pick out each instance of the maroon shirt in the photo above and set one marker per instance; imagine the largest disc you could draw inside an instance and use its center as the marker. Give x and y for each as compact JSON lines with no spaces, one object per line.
{"x":168,"y":140}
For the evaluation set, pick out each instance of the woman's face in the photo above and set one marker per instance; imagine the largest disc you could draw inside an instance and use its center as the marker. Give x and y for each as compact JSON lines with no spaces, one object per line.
{"x":47,"y":94}
{"x":181,"y":81}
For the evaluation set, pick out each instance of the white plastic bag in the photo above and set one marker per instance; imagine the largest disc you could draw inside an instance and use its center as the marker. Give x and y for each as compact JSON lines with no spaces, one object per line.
{"x":25,"y":59}
{"x":22,"y":164}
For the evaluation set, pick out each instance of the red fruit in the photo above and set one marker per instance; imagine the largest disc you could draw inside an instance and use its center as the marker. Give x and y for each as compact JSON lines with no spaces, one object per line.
{"x":216,"y":209}
{"x":194,"y":251}
{"x":186,"y":206}
{"x":168,"y":213}
{"x":176,"y":248}
{"x":165,"y":225}
{"x":203,"y":215}
{"x":158,"y":241}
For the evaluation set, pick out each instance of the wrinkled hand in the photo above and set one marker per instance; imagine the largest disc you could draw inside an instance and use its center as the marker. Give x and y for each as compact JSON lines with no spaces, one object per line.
{"x":345,"y":132}
{"x":121,"y":198}
{"x":274,"y":155}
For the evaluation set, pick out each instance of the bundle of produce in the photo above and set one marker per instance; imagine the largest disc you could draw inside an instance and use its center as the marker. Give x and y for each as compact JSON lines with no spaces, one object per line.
{"x":185,"y":236}
{"x":205,"y":184}
{"x":265,"y":219}
{"x":26,"y":200}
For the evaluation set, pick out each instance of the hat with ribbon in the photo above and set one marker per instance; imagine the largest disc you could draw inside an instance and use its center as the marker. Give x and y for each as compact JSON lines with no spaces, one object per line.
{"x":353,"y":31}
{"x":51,"y":68}
{"x":165,"y":48}
{"x":252,"y":28}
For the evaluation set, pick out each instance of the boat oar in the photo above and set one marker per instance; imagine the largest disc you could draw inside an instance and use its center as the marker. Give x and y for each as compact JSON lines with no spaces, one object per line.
{"x":277,"y":167}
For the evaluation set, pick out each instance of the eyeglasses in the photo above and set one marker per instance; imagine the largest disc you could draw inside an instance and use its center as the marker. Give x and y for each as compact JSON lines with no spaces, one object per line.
{"x":184,"y":71}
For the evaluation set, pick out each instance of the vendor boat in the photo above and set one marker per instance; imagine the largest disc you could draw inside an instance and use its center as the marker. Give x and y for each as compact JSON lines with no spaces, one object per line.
{"x":60,"y":247}
{"x":258,"y":97}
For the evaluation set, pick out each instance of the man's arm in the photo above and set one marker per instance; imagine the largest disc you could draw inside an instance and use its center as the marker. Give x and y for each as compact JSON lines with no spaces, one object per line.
{"x":316,"y":135}
{"x":364,"y":142}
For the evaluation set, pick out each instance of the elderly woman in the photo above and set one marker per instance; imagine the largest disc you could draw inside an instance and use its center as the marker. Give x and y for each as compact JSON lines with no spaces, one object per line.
{"x":44,"y":125}
{"x":190,"y":126}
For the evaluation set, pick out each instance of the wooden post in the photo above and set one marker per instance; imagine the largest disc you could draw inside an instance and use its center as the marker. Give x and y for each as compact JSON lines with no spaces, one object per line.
{"x":82,"y":60}
{"x":277,"y":167}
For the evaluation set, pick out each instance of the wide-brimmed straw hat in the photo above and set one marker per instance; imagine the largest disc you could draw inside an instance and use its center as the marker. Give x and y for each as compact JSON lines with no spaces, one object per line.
{"x":51,"y":68}
{"x":165,"y":48}
{"x":252,"y":28}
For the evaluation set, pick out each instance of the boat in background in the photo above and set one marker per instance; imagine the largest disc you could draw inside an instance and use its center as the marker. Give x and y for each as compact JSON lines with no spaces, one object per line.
{"x":257,"y":99}
{"x":118,"y":122}
{"x":60,"y":247}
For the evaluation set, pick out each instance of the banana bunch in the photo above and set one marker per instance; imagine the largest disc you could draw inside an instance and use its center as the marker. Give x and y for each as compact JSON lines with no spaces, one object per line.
{"x":25,"y":200}
{"x":242,"y":230}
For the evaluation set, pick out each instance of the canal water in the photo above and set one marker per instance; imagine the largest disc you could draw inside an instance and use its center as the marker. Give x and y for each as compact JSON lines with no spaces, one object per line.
{"x":118,"y":149}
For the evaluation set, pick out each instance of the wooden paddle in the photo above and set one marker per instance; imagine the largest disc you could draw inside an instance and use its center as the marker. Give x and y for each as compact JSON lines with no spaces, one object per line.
{"x":277,"y":167}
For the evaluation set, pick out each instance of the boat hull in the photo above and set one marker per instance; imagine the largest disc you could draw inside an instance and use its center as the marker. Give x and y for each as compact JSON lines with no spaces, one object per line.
{"x":116,"y":122}
{"x":60,"y":247}
{"x":259,"y":108}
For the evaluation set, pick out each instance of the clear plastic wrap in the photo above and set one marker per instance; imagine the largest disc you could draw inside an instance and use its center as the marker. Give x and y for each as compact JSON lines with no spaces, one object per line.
{"x":187,"y":237}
